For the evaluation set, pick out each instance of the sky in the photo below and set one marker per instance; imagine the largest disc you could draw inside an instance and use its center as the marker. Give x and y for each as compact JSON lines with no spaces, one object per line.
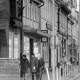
{"x":77,"y":5}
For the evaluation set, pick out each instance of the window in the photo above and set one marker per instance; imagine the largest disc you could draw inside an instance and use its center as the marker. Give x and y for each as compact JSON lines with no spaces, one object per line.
{"x":30,"y":14}
{"x":14,"y":45}
{"x":36,"y":48}
{"x":63,"y":21}
{"x":45,"y":52}
{"x":46,"y":10}
{"x":27,"y":47}
{"x":10,"y":44}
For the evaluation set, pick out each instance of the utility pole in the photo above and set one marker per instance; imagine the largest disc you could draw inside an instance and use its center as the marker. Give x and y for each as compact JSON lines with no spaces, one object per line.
{"x":52,"y":43}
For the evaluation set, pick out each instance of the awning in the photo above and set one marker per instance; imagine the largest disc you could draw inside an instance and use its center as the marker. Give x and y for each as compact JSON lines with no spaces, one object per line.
{"x":36,"y":33}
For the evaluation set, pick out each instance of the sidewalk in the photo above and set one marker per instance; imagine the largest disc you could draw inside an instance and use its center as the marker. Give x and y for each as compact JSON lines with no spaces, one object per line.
{"x":74,"y":74}
{"x":44,"y":76}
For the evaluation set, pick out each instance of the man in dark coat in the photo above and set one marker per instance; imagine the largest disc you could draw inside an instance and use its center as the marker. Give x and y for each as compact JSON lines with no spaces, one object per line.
{"x":34,"y":66}
{"x":24,"y":65}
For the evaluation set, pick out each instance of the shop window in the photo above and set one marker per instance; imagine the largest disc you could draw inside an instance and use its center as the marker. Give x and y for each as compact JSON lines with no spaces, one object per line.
{"x":36,"y":48}
{"x":45,"y":52}
{"x":10,"y":45}
{"x":14,"y":45}
{"x":27,"y":47}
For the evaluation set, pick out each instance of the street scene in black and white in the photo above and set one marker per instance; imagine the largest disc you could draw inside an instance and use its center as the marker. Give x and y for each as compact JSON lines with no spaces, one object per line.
{"x":39,"y":39}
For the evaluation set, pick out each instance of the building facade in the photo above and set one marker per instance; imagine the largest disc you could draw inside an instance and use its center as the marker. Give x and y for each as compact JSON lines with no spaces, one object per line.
{"x":29,"y":32}
{"x":26,"y":28}
{"x":46,"y":24}
{"x":66,"y":26}
{"x":36,"y":36}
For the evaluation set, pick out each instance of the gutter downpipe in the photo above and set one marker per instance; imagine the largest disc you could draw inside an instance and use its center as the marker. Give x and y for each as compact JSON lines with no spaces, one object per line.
{"x":52,"y":44}
{"x":58,"y":67}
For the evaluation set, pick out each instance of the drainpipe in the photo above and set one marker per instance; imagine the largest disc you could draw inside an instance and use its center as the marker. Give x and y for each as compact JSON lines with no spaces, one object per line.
{"x":58,"y":64}
{"x":58,"y":18}
{"x":72,"y":43}
{"x":52,"y":43}
{"x":67,"y":45}
{"x":21,"y":40}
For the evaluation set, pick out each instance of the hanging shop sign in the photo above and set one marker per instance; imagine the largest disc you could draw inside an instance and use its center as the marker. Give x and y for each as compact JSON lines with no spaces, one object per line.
{"x":44,"y":39}
{"x":49,"y":26}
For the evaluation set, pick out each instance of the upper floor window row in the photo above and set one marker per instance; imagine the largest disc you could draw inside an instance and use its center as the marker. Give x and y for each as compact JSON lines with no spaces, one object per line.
{"x":31,"y":10}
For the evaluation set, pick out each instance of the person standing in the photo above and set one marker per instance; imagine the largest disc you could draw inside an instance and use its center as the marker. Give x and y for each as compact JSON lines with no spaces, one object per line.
{"x":24,"y":65}
{"x":34,"y":66}
{"x":40,"y":67}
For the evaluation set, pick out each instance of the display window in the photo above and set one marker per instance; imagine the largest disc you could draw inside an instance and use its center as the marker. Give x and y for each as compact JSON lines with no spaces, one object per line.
{"x":14,"y":45}
{"x":45,"y":52}
{"x":36,"y":48}
{"x":27,"y":47}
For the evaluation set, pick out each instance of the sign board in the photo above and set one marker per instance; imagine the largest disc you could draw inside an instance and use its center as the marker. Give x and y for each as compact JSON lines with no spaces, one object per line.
{"x":44,"y":39}
{"x":49,"y":26}
{"x":9,"y":69}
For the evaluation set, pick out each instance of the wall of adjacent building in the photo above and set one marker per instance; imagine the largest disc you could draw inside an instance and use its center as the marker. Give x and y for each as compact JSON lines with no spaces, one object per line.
{"x":4,"y":28}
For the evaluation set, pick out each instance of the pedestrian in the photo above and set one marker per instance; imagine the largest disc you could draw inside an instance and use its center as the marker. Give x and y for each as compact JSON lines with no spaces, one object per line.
{"x":40,"y":66}
{"x":24,"y":66}
{"x":34,"y":66}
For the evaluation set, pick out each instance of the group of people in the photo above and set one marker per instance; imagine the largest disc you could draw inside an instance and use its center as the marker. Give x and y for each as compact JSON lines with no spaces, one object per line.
{"x":36,"y":66}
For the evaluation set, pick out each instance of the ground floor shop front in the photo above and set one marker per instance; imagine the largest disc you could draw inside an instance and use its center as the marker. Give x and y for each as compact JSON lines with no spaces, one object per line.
{"x":22,"y":42}
{"x":28,"y":42}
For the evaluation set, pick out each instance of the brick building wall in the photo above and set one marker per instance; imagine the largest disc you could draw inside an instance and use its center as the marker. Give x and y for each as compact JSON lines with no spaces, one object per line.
{"x":4,"y":28}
